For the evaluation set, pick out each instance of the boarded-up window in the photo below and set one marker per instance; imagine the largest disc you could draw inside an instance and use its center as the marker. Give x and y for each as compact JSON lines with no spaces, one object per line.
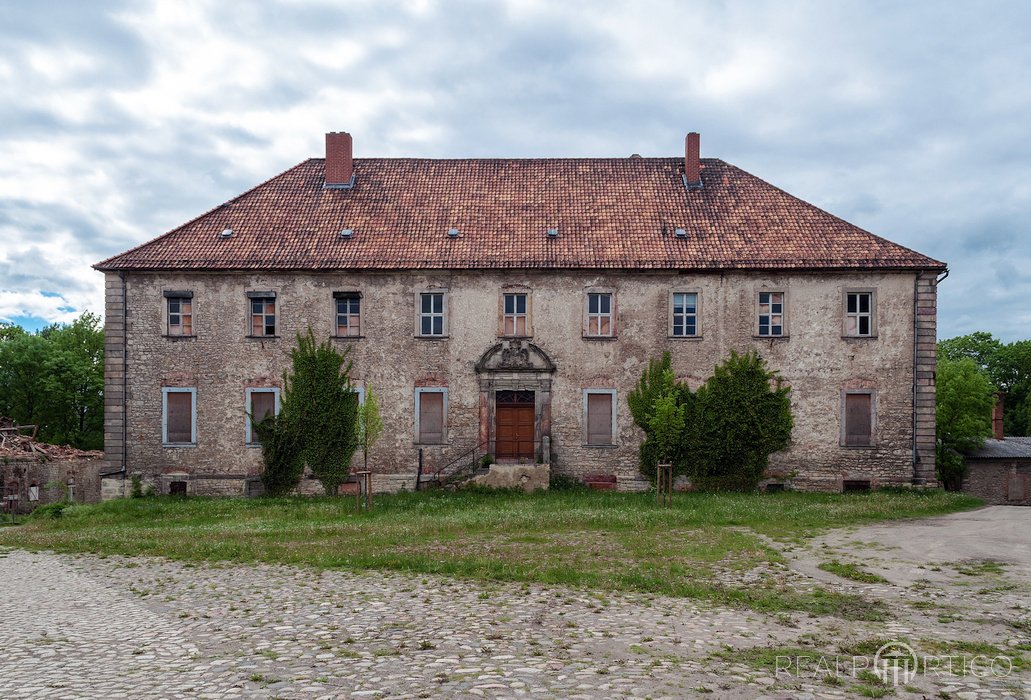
{"x":599,"y":418}
{"x":858,"y":419}
{"x":431,"y":417}
{"x":179,"y":417}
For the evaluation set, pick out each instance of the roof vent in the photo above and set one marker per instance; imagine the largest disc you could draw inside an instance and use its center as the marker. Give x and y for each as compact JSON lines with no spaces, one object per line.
{"x":226,"y":233}
{"x":552,"y":233}
{"x":452,"y":233}
{"x":346,"y":233}
{"x":680,"y":233}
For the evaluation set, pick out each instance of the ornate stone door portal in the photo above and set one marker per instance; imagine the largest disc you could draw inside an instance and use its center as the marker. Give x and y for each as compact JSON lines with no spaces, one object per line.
{"x":515,"y":401}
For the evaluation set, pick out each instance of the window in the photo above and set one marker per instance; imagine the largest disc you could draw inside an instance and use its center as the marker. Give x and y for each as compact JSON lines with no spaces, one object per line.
{"x":859,"y":317}
{"x":684,"y":315}
{"x":179,"y":416}
{"x":857,"y":429}
{"x":180,"y":312}
{"x":261,"y":403}
{"x":33,"y":492}
{"x":599,"y":406}
{"x":514,"y":314}
{"x":431,"y":416}
{"x":599,"y":315}
{"x":348,"y":314}
{"x":263,"y":314}
{"x":432,"y":317}
{"x":771,"y":313}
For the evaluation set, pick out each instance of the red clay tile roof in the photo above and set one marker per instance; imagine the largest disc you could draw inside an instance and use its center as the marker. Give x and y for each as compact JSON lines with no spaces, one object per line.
{"x":610,"y":213}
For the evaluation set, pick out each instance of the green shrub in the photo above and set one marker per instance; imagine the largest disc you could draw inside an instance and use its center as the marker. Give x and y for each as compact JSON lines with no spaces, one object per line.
{"x":742,"y":414}
{"x":50,"y":511}
{"x":137,"y":486}
{"x":564,"y":482}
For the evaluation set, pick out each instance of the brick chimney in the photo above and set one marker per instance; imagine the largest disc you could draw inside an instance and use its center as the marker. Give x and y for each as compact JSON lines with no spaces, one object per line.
{"x":692,"y":162}
{"x":339,"y":163}
{"x":997,"y":430}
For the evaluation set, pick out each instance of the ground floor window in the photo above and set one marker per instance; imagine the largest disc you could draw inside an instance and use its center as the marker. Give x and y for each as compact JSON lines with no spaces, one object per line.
{"x":431,"y":416}
{"x":599,"y":419}
{"x":261,"y":403}
{"x":178,"y":416}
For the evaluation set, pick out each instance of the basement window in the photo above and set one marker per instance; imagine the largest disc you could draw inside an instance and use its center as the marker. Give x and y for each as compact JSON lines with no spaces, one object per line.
{"x":855,"y":485}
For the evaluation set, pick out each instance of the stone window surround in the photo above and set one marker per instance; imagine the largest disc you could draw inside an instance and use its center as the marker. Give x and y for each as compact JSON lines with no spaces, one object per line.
{"x":698,"y":313}
{"x":178,"y":295}
{"x":251,"y":295}
{"x":250,"y":440}
{"x":342,"y":293}
{"x":419,"y":391}
{"x":583,"y":431}
{"x":844,"y":312}
{"x":613,"y":313}
{"x":515,"y":289}
{"x":873,"y":419}
{"x":165,"y":391}
{"x":785,"y":332}
{"x":446,"y":311}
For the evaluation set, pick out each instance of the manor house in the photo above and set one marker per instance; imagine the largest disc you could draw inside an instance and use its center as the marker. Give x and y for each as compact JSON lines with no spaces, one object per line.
{"x":507,"y":307}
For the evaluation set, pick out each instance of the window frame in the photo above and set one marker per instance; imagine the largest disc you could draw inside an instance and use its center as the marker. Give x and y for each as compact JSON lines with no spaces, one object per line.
{"x":165,"y":391}
{"x":419,"y":391}
{"x":588,"y":315}
{"x":759,"y":314}
{"x":671,"y":324}
{"x":443,"y":313}
{"x":613,"y":393}
{"x":180,"y":296}
{"x":348,"y":294}
{"x":872,"y":314}
{"x":843,"y":431}
{"x":264,"y":295}
{"x":250,"y":438}
{"x":527,"y":315}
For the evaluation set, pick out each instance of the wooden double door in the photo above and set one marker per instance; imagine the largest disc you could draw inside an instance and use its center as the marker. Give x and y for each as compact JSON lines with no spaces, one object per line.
{"x":514,"y":416}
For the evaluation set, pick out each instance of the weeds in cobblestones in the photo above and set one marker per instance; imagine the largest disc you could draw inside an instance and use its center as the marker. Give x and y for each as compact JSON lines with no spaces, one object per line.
{"x":851,"y":571}
{"x":979,"y":568}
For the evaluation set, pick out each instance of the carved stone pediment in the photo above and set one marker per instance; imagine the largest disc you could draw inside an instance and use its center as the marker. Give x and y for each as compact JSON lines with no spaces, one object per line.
{"x":515,"y":356}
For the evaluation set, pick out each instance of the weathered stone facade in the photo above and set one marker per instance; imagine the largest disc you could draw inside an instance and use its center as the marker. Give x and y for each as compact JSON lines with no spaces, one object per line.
{"x":896,"y":364}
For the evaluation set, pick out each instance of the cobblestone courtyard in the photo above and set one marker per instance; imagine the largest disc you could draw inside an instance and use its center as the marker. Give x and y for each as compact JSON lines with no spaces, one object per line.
{"x":83,"y":626}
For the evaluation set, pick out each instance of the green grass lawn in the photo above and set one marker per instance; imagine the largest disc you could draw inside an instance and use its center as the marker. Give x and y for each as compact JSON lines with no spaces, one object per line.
{"x":606,"y":541}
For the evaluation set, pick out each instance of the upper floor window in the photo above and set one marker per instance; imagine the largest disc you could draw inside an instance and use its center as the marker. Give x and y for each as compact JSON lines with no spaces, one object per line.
{"x":859,"y":314}
{"x":263,"y":313}
{"x":600,"y":314}
{"x":515,"y":314}
{"x":432,"y":317}
{"x":684,"y":314}
{"x":771,"y":313}
{"x":178,"y":416}
{"x":179,"y":307}
{"x":348,"y":313}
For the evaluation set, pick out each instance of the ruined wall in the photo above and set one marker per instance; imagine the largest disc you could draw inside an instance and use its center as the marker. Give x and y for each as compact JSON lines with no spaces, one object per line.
{"x":221,"y":362}
{"x":19,"y":474}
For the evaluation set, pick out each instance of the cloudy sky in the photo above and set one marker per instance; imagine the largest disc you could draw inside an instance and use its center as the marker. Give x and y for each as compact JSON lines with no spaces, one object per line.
{"x":119,"y":121}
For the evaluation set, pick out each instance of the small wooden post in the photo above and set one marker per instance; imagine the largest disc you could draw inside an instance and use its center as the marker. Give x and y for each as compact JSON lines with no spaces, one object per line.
{"x":363,"y":493}
{"x":664,"y":485}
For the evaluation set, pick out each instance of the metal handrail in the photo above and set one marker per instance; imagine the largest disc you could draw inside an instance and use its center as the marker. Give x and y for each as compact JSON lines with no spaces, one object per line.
{"x":470,"y":452}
